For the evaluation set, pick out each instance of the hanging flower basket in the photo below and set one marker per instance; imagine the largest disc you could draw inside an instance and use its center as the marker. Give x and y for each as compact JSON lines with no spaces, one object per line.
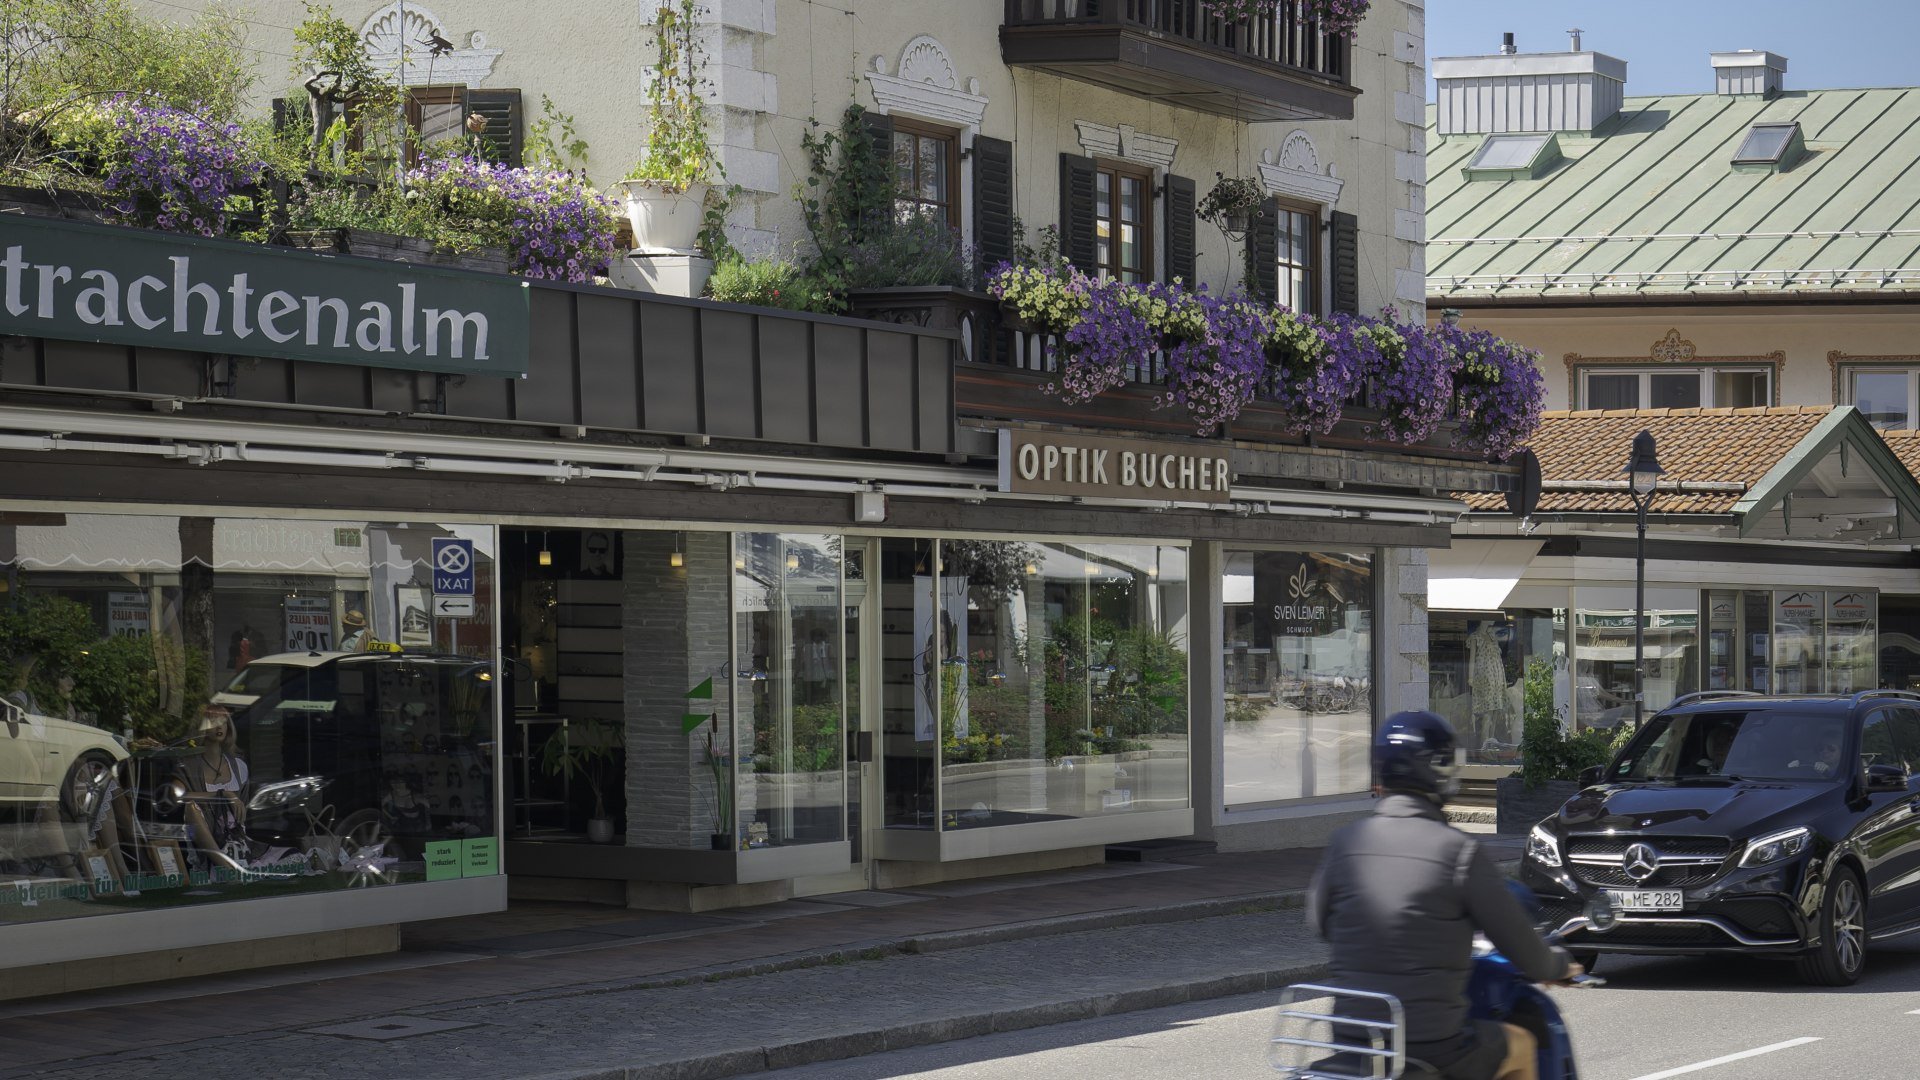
{"x":1232,"y":205}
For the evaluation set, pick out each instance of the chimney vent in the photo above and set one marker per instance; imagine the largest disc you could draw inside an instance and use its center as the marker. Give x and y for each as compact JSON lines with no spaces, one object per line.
{"x":1507,"y":47}
{"x":1573,"y":39}
{"x":1515,"y":92}
{"x":1749,"y":73}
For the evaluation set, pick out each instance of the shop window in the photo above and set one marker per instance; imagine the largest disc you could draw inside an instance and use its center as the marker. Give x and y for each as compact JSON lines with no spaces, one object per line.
{"x":1886,"y":396}
{"x":1668,"y":388}
{"x":1478,"y":667}
{"x":926,"y":171}
{"x":1298,"y":650}
{"x":1604,"y":652}
{"x":202,"y":709}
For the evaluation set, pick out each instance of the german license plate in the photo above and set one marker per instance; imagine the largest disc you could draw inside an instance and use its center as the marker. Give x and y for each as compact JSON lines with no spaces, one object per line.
{"x":1645,"y":899}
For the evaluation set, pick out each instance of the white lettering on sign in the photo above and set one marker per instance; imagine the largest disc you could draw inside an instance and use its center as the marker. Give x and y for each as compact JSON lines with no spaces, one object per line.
{"x":1094,"y":466}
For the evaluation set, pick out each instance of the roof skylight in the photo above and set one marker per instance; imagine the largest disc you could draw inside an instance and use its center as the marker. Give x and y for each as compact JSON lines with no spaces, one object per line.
{"x":1770,"y":146}
{"x":1513,"y":156}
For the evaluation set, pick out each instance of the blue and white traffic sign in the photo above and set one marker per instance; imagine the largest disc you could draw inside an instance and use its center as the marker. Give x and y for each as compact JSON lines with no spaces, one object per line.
{"x":452,"y":567}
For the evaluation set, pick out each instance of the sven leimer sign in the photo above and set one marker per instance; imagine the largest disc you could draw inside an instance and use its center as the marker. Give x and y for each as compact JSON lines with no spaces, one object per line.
{"x":1093,"y":466}
{"x":133,"y":287}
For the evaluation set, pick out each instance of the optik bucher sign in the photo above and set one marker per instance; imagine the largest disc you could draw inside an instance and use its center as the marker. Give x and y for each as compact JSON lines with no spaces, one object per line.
{"x":137,"y":287}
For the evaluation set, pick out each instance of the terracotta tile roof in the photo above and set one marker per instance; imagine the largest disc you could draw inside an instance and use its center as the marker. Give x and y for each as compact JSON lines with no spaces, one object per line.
{"x":1717,"y":446}
{"x":1906,"y":447}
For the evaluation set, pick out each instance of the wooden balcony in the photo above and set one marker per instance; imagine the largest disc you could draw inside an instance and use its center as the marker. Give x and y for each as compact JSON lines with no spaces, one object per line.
{"x":1267,"y":68}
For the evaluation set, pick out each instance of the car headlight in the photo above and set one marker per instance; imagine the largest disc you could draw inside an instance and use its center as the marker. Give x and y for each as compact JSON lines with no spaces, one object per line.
{"x":1776,"y":846}
{"x":1543,"y":847}
{"x":274,"y":796}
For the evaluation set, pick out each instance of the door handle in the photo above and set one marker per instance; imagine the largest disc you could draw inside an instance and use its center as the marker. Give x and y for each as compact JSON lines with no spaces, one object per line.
{"x":859,"y":746}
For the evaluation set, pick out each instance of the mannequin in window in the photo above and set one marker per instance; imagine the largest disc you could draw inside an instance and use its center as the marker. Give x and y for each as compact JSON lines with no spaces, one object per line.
{"x":217,"y":787}
{"x":1487,"y":682}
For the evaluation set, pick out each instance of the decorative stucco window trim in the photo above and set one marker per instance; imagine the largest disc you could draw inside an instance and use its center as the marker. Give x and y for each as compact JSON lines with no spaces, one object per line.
{"x":926,"y":84}
{"x":1838,"y":363}
{"x":1294,"y":172}
{"x":1677,"y":352}
{"x":1123,"y":142}
{"x":405,"y":31}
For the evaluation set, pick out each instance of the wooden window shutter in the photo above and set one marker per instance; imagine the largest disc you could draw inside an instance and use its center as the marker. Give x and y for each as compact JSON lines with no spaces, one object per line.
{"x":1345,"y":268}
{"x":505,"y":137}
{"x":1263,"y":252}
{"x":1182,"y":253}
{"x":993,"y":237}
{"x":1078,"y":185}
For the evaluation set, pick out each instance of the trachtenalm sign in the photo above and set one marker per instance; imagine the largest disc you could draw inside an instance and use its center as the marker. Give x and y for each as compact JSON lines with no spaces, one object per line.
{"x":135,"y":287}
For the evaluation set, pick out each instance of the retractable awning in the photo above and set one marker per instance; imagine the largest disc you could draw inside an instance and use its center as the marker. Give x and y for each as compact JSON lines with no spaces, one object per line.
{"x":1477,"y":575}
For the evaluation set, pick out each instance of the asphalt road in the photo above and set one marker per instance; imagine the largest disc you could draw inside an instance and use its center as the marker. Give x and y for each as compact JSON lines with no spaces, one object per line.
{"x":1657,"y":1018}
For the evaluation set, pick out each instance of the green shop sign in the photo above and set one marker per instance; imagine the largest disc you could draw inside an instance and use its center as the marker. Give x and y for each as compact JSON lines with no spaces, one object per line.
{"x":134,"y":287}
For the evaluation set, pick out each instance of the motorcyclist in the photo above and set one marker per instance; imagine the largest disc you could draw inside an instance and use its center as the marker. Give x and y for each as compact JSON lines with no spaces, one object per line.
{"x":1399,"y":895}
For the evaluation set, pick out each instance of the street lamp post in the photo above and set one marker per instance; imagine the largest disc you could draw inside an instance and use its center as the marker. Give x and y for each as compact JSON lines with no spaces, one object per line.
{"x":1643,"y":476}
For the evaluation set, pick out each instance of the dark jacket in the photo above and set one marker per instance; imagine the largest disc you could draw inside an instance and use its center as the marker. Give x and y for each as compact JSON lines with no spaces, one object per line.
{"x":1398,"y":896}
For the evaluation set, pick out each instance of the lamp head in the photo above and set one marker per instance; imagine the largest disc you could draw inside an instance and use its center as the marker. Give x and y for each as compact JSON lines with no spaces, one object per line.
{"x":1643,"y":468}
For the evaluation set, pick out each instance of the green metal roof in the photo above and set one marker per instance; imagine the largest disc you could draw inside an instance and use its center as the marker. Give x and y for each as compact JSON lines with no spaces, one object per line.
{"x":1651,"y":204}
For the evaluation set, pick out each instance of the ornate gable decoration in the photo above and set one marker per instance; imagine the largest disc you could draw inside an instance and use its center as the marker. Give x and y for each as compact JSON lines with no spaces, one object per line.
{"x":1127,"y":144}
{"x":1672,"y":349}
{"x":407,"y":31}
{"x":926,"y":84}
{"x":1294,"y":171}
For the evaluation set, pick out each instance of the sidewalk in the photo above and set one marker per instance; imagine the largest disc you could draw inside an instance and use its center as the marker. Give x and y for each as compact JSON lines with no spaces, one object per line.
{"x":581,"y":991}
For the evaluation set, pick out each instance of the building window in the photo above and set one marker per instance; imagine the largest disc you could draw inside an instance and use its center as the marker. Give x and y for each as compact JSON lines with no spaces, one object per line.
{"x":1297,"y":657}
{"x":1884,"y":395}
{"x":1123,"y":222}
{"x":1298,"y":253}
{"x":926,"y":171}
{"x":1676,"y":388}
{"x":436,"y":115}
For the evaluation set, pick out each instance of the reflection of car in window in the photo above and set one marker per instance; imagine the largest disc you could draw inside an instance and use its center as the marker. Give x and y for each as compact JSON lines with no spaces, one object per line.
{"x":1734,"y":822}
{"x":45,"y":758}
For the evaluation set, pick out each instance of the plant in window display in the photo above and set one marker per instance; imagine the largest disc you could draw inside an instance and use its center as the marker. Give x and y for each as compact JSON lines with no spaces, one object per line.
{"x":586,"y":750}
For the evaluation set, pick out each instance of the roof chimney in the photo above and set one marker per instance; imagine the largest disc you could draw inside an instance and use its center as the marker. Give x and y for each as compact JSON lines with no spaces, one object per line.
{"x":1748,"y":73}
{"x":1528,"y":92}
{"x":1507,"y":47}
{"x":1573,"y":39}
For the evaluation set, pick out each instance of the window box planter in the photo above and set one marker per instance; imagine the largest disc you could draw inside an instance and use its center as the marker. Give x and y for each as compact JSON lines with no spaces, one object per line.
{"x":60,"y":203}
{"x":393,"y":248}
{"x":975,"y":316}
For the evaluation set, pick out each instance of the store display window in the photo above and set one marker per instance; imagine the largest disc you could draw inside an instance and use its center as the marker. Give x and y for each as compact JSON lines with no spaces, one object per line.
{"x":206,"y":709}
{"x":1479,"y":663}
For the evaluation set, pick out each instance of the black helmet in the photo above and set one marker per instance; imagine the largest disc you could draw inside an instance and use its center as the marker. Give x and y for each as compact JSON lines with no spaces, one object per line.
{"x":1416,"y":752}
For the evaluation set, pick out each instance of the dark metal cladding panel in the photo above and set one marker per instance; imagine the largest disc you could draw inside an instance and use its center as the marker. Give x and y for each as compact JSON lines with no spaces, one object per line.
{"x":265,"y":378}
{"x":168,"y":371}
{"x":669,"y":372}
{"x":19,"y":361}
{"x":839,"y":384}
{"x":401,"y":391}
{"x":935,"y":391}
{"x":891,"y":409}
{"x":480,"y":395}
{"x":609,"y":361}
{"x":728,"y":384}
{"x":786,"y":381}
{"x":546,"y":395}
{"x":337,"y":385}
{"x":88,"y":365}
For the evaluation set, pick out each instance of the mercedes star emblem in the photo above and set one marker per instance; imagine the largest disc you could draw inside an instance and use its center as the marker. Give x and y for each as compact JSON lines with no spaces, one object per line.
{"x":1639,"y":861}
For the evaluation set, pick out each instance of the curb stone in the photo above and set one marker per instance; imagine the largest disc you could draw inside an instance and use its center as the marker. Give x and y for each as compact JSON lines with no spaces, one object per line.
{"x":854,"y":1044}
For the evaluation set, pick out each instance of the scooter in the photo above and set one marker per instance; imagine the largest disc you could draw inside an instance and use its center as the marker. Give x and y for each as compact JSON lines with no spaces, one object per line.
{"x":1334,"y":1033}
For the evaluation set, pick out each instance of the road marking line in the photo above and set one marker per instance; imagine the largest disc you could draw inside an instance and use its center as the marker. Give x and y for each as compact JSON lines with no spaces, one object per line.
{"x":1742,"y":1055}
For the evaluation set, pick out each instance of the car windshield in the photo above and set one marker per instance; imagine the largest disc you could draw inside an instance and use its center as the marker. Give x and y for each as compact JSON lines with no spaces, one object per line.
{"x":1726,"y":746}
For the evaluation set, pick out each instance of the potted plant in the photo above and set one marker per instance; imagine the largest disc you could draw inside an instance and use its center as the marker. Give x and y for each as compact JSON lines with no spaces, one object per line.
{"x":1232,"y":204}
{"x":667,"y":190}
{"x":586,"y":750}
{"x":1551,"y":760}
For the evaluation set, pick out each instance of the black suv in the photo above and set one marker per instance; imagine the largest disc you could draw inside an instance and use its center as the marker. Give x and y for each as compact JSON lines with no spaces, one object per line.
{"x":1733,"y":822}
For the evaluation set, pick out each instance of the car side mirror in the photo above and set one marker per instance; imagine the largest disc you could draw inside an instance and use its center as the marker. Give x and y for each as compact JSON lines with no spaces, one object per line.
{"x":1592,"y":775}
{"x":1887,"y":778}
{"x":12,"y":712}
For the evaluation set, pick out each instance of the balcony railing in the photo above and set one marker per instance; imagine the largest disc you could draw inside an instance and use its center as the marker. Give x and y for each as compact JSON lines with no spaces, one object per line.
{"x":1281,"y":66}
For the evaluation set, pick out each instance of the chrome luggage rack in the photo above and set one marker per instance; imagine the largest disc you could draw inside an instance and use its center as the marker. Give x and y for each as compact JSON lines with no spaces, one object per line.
{"x":1310,"y":1043}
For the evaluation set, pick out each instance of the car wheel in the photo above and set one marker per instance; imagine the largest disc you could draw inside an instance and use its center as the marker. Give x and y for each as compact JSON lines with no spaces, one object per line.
{"x":85,"y":785}
{"x":1842,"y":925}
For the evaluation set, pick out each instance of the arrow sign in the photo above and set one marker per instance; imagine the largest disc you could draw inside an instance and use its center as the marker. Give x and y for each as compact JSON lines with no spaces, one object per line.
{"x":453,"y":607}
